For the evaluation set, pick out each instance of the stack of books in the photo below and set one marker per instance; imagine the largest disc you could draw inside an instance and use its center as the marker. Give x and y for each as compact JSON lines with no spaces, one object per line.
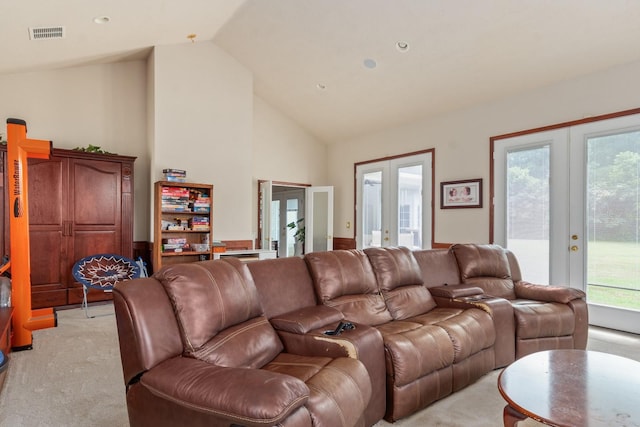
{"x":219,"y":247}
{"x":199,"y":223}
{"x":199,"y":202}
{"x":175,"y":175}
{"x":175,"y":199}
{"x":174,"y":244}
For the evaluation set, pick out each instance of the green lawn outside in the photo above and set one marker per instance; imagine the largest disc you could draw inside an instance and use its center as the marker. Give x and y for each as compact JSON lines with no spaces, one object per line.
{"x":614,"y":264}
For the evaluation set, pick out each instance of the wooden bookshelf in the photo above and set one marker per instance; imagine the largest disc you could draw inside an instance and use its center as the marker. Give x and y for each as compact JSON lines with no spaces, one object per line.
{"x":183,"y":220}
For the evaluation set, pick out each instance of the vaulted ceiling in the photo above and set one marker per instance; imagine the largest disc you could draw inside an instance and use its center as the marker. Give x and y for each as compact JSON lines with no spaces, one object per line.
{"x":343,"y":68}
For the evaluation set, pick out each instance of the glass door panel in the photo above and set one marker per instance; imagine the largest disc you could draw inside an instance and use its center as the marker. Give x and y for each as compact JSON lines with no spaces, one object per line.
{"x":613,"y":220}
{"x":275,"y":225}
{"x":371,"y":216}
{"x":528,"y":211}
{"x":410,"y":206}
{"x":319,"y":219}
{"x":293,"y":215}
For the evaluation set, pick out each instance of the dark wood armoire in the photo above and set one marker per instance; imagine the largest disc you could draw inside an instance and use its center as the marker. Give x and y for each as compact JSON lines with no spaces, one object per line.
{"x":80,"y":204}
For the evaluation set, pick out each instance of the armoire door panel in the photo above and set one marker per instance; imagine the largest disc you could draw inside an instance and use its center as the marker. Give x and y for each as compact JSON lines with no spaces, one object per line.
{"x":47,"y":201}
{"x":46,"y":262}
{"x":95,"y":193}
{"x":93,"y":242}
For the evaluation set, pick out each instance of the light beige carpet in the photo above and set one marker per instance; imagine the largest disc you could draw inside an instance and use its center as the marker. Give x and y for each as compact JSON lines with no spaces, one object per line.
{"x":73,"y":378}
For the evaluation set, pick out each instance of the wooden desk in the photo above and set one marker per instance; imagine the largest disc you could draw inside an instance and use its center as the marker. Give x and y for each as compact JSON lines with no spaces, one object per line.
{"x":574,"y":388}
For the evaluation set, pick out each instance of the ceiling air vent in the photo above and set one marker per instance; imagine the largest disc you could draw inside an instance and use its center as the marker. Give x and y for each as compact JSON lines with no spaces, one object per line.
{"x":42,"y":33}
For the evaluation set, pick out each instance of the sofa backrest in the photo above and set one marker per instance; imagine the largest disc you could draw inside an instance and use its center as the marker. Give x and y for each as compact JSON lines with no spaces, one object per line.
{"x":344,"y":279}
{"x":438,"y":267}
{"x":284,"y":285}
{"x":219,"y":313}
{"x":400,"y":282}
{"x":485,"y":266}
{"x":516,"y":274}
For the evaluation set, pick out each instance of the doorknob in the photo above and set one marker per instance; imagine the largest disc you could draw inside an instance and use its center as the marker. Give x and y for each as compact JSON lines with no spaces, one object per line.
{"x":574,"y":237}
{"x":574,"y":248}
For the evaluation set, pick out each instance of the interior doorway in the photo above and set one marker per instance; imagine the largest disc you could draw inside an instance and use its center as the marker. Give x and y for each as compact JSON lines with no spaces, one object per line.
{"x":287,"y":217}
{"x":294,"y":219}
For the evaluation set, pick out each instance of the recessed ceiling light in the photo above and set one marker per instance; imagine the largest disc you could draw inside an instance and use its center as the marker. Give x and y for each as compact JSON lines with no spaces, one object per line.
{"x":101,"y":19}
{"x":402,"y":46}
{"x":370,"y":63}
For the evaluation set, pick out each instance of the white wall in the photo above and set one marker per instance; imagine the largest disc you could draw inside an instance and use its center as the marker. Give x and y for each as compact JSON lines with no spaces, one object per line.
{"x":461,"y":142}
{"x":103,"y":105}
{"x":187,"y":106}
{"x":204,"y":117}
{"x":202,"y":122}
{"x":283,"y":151}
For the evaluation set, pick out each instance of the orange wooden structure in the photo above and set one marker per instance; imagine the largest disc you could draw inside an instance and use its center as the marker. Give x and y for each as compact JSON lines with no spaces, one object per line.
{"x":19,"y":148}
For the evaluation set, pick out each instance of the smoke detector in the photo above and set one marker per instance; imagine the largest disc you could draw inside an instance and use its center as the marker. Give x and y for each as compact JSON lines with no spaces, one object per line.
{"x":42,"y":33}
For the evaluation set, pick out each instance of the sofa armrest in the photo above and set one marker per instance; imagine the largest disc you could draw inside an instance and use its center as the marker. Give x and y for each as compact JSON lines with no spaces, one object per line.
{"x":306,"y":319}
{"x":249,"y":397}
{"x":455,"y":291}
{"x":561,"y":294}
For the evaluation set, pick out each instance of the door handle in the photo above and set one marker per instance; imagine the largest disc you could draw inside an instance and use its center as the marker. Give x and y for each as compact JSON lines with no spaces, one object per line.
{"x":574,"y":248}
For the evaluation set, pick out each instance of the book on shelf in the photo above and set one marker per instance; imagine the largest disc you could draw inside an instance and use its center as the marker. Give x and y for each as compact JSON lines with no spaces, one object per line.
{"x":176,"y":171}
{"x":175,"y":175}
{"x":175,"y":179}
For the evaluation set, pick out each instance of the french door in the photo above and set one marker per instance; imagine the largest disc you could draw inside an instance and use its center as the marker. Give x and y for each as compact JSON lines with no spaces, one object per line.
{"x":393,"y":202}
{"x":567,"y":203}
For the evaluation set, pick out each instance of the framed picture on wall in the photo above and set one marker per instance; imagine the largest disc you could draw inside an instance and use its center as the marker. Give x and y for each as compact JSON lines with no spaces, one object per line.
{"x":461,"y":194}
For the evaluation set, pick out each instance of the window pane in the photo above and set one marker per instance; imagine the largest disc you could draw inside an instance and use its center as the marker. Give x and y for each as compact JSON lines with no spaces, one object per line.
{"x":410,"y":206}
{"x":613,"y":220}
{"x":528,"y":211}
{"x":292,"y":216}
{"x":275,"y":223}
{"x":372,"y":209}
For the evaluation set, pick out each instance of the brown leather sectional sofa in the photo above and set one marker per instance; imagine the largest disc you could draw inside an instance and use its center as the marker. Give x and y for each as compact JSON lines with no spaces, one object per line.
{"x":220,"y":343}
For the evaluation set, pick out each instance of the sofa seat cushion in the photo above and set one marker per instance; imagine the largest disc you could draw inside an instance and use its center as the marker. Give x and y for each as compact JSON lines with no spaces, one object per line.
{"x":340,"y":389}
{"x":414,"y":350}
{"x":223,"y":391}
{"x":535,"y":319}
{"x":470,"y":331}
{"x":345,"y":280}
